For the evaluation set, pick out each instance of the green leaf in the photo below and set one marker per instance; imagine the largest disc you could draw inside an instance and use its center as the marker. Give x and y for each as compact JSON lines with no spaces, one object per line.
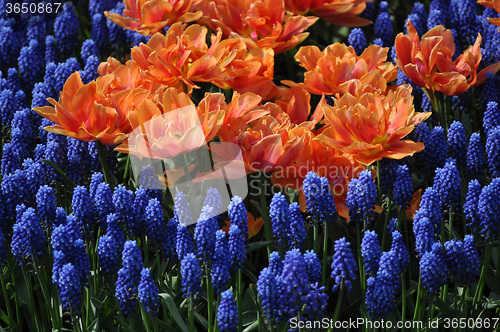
{"x":4,"y":317}
{"x":202,"y":320}
{"x":58,"y":169}
{"x":94,"y":326}
{"x":172,"y":307}
{"x":252,"y":327}
{"x":257,"y":245}
{"x":446,"y":309}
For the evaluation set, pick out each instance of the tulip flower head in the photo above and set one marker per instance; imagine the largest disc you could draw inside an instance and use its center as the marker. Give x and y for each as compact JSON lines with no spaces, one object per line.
{"x":150,"y":16}
{"x":261,"y":23}
{"x":370,"y":126}
{"x":428,"y":62}
{"x":338,"y":67}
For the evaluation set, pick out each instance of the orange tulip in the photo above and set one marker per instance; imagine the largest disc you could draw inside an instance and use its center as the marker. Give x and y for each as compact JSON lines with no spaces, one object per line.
{"x":262,"y":23}
{"x":254,"y":225}
{"x":370,"y":126}
{"x":319,"y":158}
{"x":150,"y":16}
{"x":86,"y":113}
{"x":337,"y":67}
{"x":493,"y":4}
{"x":416,"y":198}
{"x":338,"y":12}
{"x":276,"y":138}
{"x":181,"y":57}
{"x":251,"y":71}
{"x":172,"y":126}
{"x":127,"y":76}
{"x":428,"y":61}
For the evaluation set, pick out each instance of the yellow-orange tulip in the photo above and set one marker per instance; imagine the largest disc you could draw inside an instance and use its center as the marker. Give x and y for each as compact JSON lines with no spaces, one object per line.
{"x":262,"y":22}
{"x":370,"y":126}
{"x":337,"y":67}
{"x":182,"y":57}
{"x":251,"y":71}
{"x":171,"y":127}
{"x":150,"y":16}
{"x":84,"y":112}
{"x":338,"y":12}
{"x":428,"y":62}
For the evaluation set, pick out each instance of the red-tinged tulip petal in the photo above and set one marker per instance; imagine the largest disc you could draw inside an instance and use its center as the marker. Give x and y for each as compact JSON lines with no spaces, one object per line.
{"x":402,"y":149}
{"x":481,"y":76}
{"x":428,"y":61}
{"x":308,"y":56}
{"x":367,"y":127}
{"x":267,"y":152}
{"x":337,"y":68}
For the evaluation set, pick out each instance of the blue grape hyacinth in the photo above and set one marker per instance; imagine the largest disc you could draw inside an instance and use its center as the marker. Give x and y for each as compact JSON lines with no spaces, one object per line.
{"x":191,"y":276}
{"x":227,"y":314}
{"x":128,"y":279}
{"x":344,"y":265}
{"x":370,"y":251}
{"x":433,"y":269}
{"x":220,"y":266}
{"x":148,"y":292}
{"x":319,"y":198}
{"x":28,"y":238}
{"x":361,"y":197}
{"x":489,"y":210}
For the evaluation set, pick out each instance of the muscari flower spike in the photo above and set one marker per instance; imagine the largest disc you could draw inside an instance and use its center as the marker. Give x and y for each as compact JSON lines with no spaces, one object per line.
{"x":191,"y":276}
{"x":154,"y":221}
{"x":270,"y":294}
{"x":447,"y":184}
{"x":493,"y":151}
{"x":238,"y":215}
{"x":279,"y":213}
{"x":185,"y":243}
{"x":403,"y":187}
{"x":433,"y":269}
{"x":370,"y":251}
{"x":488,"y":210}
{"x":220,"y":265}
{"x":103,"y":203}
{"x":204,"y":234}
{"x":295,"y":282}
{"x":476,"y":160}
{"x":457,"y":143}
{"x":313,"y":266}
{"x":344,"y":265}
{"x":491,"y":117}
{"x":471,"y":204}
{"x":148,"y":292}
{"x":227,"y":313}
{"x":236,"y":247}
{"x":128,"y":278}
{"x":357,"y":40}
{"x":361,"y":197}
{"x":297,"y":230}
{"x":319,"y":198}
{"x":381,"y":289}
{"x":275,"y":263}
{"x":69,"y":288}
{"x":27,"y":237}
{"x":383,"y":25}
